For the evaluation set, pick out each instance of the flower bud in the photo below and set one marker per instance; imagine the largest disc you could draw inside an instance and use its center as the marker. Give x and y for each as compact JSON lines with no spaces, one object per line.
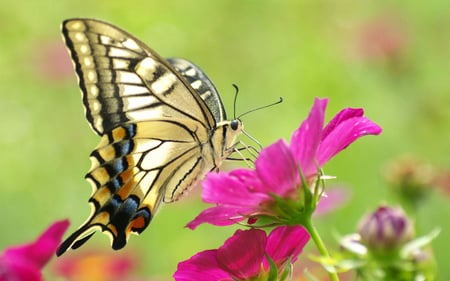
{"x":386,"y":229}
{"x":410,"y":178}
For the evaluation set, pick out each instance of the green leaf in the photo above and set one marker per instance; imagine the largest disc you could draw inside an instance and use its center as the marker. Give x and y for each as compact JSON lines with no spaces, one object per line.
{"x":418,"y":243}
{"x":273,"y":271}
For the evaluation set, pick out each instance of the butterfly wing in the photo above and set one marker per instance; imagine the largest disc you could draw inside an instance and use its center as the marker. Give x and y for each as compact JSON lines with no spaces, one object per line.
{"x":151,"y":149}
{"x":123,"y":80}
{"x":202,"y":85}
{"x":132,"y":167}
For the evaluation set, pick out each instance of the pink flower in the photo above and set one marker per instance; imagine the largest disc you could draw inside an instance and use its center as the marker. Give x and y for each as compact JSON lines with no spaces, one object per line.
{"x":247,"y":194}
{"x":24,"y":263}
{"x":244,"y":255}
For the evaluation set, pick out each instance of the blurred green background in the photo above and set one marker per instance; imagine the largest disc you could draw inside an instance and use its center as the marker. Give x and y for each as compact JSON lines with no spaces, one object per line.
{"x":391,"y":58}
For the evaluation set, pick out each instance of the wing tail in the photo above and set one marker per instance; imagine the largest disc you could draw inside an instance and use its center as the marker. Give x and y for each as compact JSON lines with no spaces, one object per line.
{"x":118,"y":218}
{"x":78,"y":238}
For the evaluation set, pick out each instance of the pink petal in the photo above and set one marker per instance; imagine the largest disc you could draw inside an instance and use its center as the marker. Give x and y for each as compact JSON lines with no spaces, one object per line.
{"x":343,"y":135}
{"x":306,"y":139}
{"x":18,"y":271}
{"x":202,"y":266}
{"x":30,"y":258}
{"x":221,"y":215}
{"x":250,"y":179}
{"x":223,"y":188}
{"x":343,"y":115}
{"x":286,"y":242}
{"x":40,"y":251}
{"x":242,"y":254}
{"x":277,"y":169}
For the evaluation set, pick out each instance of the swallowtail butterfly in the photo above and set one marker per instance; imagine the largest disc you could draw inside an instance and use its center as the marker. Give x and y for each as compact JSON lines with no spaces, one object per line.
{"x":161,"y":121}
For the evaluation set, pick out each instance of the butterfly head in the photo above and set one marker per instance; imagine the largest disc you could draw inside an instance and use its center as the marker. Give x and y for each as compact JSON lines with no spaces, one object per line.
{"x":225,"y":135}
{"x":236,"y":125}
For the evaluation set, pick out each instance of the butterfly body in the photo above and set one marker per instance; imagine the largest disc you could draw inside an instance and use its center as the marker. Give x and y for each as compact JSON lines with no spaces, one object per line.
{"x":162,"y":124}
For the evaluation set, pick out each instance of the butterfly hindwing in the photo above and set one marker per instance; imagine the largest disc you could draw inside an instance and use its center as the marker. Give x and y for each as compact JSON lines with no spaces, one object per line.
{"x":162,"y":126}
{"x":130,"y":175}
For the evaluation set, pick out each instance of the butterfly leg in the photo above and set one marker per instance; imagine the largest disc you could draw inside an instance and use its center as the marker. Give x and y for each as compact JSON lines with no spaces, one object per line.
{"x":241,"y":147}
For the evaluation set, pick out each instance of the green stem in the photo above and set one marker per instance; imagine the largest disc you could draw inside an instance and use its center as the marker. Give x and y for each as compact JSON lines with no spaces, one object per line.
{"x":320,"y":246}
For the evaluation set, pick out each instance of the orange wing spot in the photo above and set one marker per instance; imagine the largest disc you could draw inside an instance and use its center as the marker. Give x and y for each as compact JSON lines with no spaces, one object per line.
{"x":136,"y":224}
{"x":127,"y":188}
{"x":128,"y":178}
{"x":118,"y":134}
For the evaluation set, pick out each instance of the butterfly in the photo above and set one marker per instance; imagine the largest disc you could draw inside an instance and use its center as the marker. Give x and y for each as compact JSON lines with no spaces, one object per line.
{"x":162,"y":124}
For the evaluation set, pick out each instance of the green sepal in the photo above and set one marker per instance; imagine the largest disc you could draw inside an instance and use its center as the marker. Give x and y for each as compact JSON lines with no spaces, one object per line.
{"x":273,"y":271}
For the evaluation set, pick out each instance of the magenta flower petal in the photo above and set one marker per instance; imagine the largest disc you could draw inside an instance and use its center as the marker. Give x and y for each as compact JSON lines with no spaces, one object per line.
{"x":28,"y":260}
{"x":277,"y":168}
{"x":202,"y":266}
{"x":251,"y":180}
{"x":243,"y":253}
{"x":40,"y":251}
{"x":250,"y":194}
{"x":286,"y":242}
{"x":227,"y":189}
{"x":343,"y":115}
{"x":343,"y":135}
{"x":221,"y":215}
{"x":306,"y":139}
{"x":18,"y":271}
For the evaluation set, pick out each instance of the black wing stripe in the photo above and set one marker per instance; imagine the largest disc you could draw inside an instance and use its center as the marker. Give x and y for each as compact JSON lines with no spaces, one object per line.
{"x":185,"y":177}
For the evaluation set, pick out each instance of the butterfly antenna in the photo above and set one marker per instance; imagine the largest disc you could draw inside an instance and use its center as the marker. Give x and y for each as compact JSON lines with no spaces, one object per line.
{"x":235,"y":100}
{"x":261,"y":107}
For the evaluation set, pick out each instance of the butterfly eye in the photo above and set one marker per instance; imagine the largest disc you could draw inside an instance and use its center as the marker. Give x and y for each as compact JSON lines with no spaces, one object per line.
{"x":234,"y":124}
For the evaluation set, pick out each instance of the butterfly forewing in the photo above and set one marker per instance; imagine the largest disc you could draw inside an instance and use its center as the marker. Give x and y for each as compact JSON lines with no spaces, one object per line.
{"x":202,"y":84}
{"x":124,"y":80}
{"x":162,"y":126}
